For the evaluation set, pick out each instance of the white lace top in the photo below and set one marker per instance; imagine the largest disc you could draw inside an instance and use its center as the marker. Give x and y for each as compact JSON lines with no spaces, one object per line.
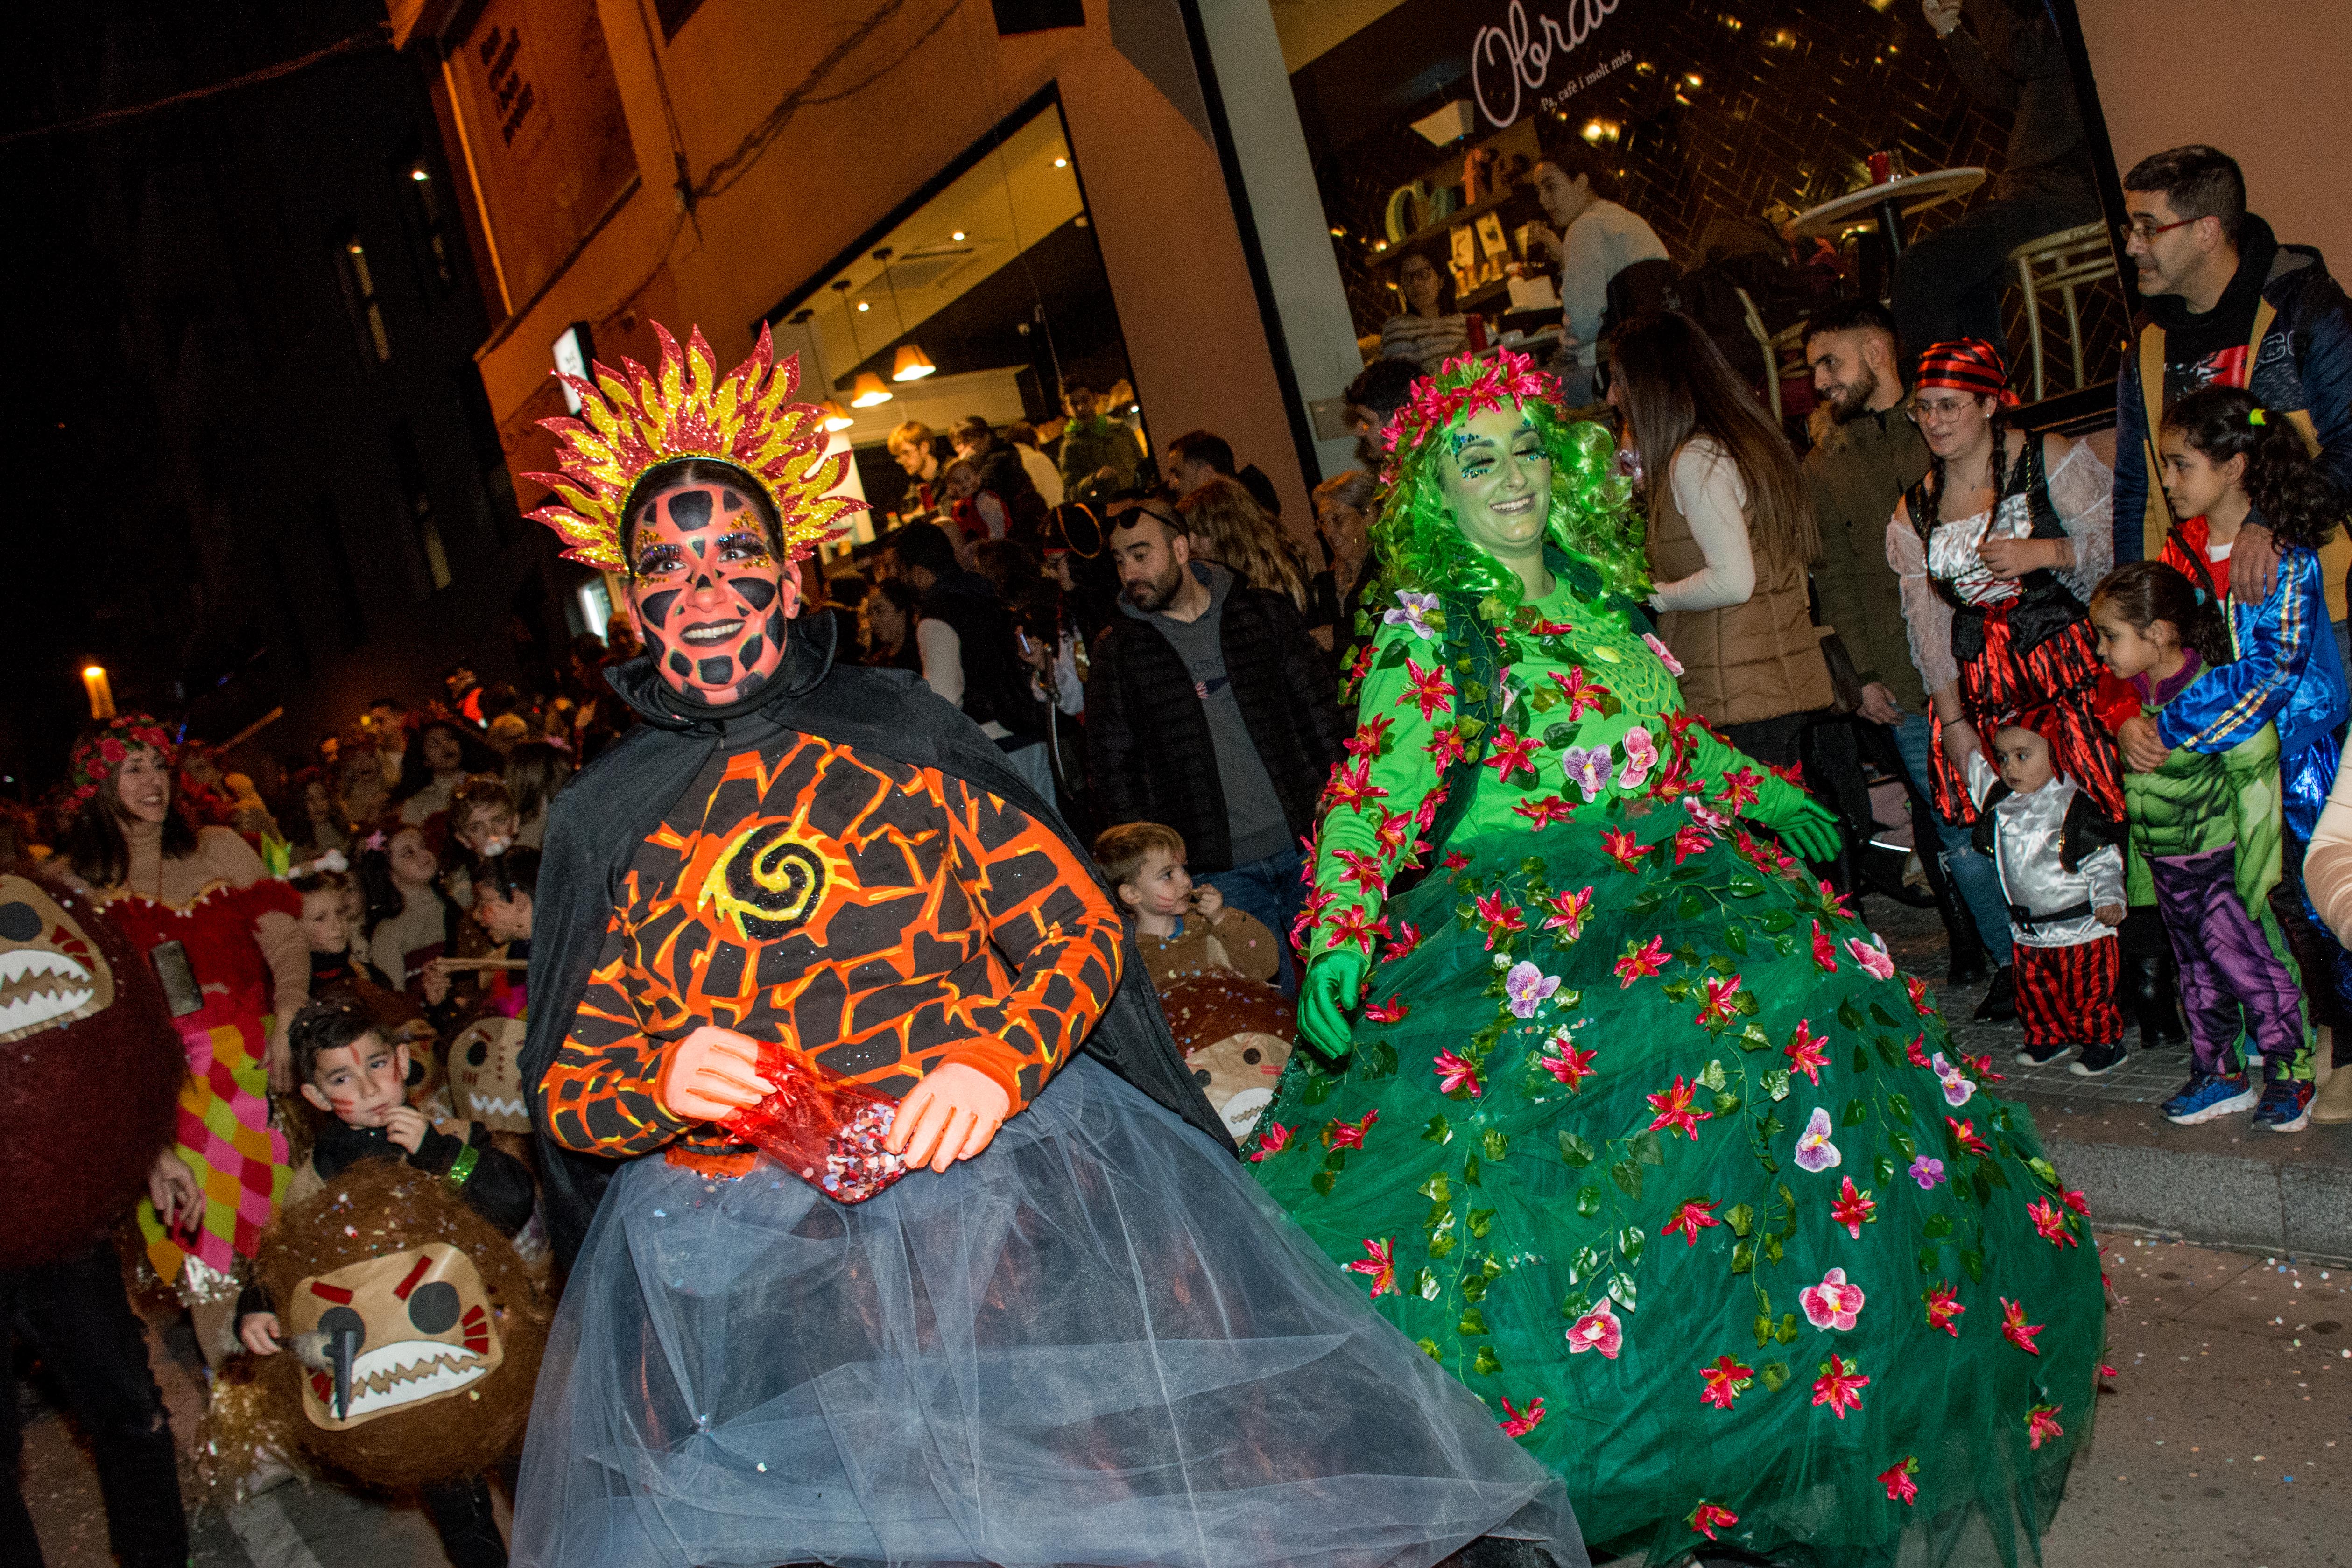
{"x":2081,"y":492}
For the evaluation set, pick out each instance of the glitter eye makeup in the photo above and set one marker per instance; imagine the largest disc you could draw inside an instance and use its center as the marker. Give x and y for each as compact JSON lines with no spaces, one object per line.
{"x":713,"y":609}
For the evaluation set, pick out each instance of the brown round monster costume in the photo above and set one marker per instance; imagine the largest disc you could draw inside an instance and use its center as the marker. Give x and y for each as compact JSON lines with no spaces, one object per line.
{"x":82,"y":1028}
{"x":440,"y":1329}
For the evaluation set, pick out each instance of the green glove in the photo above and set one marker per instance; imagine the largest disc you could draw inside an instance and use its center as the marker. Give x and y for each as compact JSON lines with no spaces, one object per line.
{"x":1804,"y":824}
{"x":1334,"y":984}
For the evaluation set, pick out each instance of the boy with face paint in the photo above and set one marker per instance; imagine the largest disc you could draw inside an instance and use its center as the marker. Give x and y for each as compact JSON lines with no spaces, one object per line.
{"x":793,"y":852}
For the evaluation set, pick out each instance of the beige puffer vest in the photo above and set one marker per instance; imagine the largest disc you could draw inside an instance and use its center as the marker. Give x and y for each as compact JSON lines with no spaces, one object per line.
{"x":1754,"y":660}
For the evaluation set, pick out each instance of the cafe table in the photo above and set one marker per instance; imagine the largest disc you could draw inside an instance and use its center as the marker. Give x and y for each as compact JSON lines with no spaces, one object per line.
{"x":1888,"y":203}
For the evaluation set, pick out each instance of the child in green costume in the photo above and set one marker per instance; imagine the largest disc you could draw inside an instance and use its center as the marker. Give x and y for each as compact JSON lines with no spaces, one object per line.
{"x":1633,"y":1129}
{"x":2206,"y":832}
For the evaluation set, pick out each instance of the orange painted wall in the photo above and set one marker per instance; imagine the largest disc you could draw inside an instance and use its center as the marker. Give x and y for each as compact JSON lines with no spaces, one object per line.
{"x":2261,"y":79}
{"x":1157,"y":200}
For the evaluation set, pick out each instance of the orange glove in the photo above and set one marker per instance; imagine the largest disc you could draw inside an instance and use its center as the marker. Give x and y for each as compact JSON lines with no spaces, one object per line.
{"x":951,"y":1115}
{"x":710,"y":1074}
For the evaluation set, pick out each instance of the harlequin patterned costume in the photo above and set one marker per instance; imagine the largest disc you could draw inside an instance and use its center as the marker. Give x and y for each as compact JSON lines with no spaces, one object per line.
{"x":1095,"y":1342}
{"x":1642,"y":1137}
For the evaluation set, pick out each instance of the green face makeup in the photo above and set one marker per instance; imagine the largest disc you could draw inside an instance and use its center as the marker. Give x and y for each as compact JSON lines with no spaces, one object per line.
{"x":1497,"y":479}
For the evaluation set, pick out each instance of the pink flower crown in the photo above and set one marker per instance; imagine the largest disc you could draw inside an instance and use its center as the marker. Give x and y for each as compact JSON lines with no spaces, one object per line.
{"x":1464,"y":386}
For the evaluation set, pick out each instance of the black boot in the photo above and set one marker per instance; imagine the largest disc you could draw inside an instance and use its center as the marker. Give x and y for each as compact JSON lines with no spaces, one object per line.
{"x":2159,"y":1016}
{"x":1999,"y":1005}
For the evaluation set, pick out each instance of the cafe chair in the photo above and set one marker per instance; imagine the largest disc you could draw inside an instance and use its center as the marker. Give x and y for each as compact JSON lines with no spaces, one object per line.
{"x":1784,"y":352}
{"x":2060,"y":263}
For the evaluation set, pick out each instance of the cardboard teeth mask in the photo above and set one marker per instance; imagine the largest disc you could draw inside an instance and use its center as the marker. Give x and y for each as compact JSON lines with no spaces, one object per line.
{"x":50,"y":973}
{"x":486,"y":1074}
{"x":391,"y":1333}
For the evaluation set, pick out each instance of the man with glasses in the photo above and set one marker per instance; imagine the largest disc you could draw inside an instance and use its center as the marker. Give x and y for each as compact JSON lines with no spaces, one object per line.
{"x":1209,"y":710}
{"x":2227,"y":305}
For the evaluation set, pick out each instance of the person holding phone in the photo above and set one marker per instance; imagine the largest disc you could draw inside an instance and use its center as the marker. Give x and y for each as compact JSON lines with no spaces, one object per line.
{"x":223,"y":937}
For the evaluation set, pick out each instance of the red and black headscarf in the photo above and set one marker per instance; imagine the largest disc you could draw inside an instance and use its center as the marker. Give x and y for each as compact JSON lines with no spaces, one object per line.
{"x":1966,"y":364}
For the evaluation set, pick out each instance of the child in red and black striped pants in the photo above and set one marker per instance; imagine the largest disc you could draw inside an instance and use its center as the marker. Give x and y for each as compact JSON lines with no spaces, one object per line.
{"x":2061,"y":874}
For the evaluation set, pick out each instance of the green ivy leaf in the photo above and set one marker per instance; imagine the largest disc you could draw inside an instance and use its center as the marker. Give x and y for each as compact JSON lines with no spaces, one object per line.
{"x":1690,"y":906}
{"x":1498,"y":1143}
{"x":1751,"y":1037}
{"x":1931,"y":1260}
{"x":1776,"y":1086}
{"x":1885,"y":1168}
{"x":1743,"y":1258}
{"x":1583,"y":1266}
{"x":1647,"y":1148}
{"x":1325,"y":1181}
{"x":1773,"y":921}
{"x":1488,"y":1362}
{"x":1772,"y":1249}
{"x":1737,"y":940}
{"x":1901,"y":1105}
{"x":1627,"y":1176}
{"x":1741,"y":1218}
{"x":1442,"y":1244}
{"x":1973,"y":1261}
{"x":1336,"y":1160}
{"x":1774,"y":1376}
{"x":1473,"y":1322}
{"x":1711,"y":1076}
{"x":1380,"y":1059}
{"x":1788,"y":1331}
{"x":1903,"y":1147}
{"x":1473,"y":1287}
{"x":1439,"y":1130}
{"x":1429,"y":1349}
{"x":1437,"y":1189}
{"x":1856,"y":1113}
{"x":1482,"y":1220}
{"x":1470,"y":1170}
{"x":1575,"y":1151}
{"x":1887,"y":1051}
{"x":1630,"y":1242}
{"x":1318,"y":1089}
{"x":1745,"y":885}
{"x":1575,"y":1305}
{"x":1849,"y":1015}
{"x":1861,"y":1060}
{"x":1887,"y":1020}
{"x":1725,"y":1104}
{"x":1938,"y":1225}
{"x":1588,"y":1200}
{"x":1424,"y":1284}
{"x":1621,"y":1289}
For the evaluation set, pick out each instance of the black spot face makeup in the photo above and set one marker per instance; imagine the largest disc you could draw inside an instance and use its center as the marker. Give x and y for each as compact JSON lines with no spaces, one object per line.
{"x":711,"y":600}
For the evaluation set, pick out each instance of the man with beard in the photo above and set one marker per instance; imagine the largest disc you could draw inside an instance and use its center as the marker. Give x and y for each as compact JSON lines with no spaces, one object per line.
{"x":1855,"y":473}
{"x":1209,"y":710}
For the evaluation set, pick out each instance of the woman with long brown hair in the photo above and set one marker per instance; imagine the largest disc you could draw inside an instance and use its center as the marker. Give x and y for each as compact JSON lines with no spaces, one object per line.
{"x":1236,"y":532}
{"x":1731,"y":535}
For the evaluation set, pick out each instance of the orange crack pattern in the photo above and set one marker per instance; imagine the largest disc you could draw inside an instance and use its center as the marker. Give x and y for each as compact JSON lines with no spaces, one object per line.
{"x":886,"y":919}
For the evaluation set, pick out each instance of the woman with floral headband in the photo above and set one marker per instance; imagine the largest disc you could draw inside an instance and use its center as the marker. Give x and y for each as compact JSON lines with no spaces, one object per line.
{"x":1634,"y":1131}
{"x":223,"y":936}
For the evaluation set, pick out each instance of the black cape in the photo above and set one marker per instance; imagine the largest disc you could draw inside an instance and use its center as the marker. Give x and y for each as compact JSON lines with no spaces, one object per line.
{"x":595,"y":826}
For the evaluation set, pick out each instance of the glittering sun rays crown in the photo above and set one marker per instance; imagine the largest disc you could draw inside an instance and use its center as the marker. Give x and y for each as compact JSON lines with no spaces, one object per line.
{"x":1461,"y":386}
{"x":746,"y":418}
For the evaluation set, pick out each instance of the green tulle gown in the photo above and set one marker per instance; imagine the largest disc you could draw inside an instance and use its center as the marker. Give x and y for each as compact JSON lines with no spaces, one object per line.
{"x":1650,"y":1145}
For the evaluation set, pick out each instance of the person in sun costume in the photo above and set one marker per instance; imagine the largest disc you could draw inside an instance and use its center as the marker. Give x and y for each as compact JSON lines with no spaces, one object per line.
{"x":1635,"y":1131}
{"x":1045,"y":1318}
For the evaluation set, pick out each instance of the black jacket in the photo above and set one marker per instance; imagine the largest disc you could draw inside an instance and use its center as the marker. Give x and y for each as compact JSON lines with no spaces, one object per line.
{"x":1148,"y":751}
{"x":995,"y":682}
{"x":595,"y":826}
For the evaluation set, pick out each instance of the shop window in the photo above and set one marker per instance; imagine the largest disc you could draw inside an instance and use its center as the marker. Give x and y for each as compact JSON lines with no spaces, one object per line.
{"x":361,"y":299}
{"x":425,"y":522}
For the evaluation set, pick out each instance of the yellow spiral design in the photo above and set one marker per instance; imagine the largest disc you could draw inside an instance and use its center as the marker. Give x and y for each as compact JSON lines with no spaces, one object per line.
{"x":765,"y":883}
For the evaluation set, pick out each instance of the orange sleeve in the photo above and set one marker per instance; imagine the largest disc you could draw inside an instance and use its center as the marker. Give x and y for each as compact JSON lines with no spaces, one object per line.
{"x":600,"y":1089}
{"x":1045,"y":912}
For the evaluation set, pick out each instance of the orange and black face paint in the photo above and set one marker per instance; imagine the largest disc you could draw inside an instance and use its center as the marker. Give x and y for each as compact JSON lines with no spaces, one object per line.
{"x":711,"y":596}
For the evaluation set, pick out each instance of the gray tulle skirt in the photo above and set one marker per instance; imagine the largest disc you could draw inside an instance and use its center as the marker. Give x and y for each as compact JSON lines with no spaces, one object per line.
{"x":1098,"y":1343}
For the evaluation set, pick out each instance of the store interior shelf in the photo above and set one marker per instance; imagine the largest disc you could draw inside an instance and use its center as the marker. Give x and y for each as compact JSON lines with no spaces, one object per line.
{"x":1438,"y":236}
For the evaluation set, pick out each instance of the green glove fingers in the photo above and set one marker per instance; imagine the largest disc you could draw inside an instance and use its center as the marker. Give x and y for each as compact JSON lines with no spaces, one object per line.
{"x":1335,"y":983}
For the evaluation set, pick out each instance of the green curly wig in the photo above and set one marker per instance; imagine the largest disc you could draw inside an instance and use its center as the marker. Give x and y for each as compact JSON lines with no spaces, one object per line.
{"x":1422,"y":551}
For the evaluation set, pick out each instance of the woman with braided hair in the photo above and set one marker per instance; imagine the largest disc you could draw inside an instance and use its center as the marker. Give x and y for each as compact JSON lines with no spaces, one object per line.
{"x":1998,"y":548}
{"x":1634,"y":1131}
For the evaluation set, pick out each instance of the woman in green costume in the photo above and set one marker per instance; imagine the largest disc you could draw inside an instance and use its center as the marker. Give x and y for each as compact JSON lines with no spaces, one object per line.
{"x":1634,"y":1129}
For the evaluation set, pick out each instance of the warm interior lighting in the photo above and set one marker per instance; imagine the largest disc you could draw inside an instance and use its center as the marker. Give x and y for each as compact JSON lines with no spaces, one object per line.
{"x":863,"y":307}
{"x":1061,"y":163}
{"x":869,"y":390}
{"x":418,"y":175}
{"x":833,"y":416}
{"x":100,"y":693}
{"x":911,"y":364}
{"x":958,"y":235}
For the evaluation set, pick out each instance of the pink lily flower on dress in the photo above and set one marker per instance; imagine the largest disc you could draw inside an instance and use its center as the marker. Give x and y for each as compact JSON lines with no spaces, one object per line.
{"x":1965,"y":1133}
{"x":1381,"y":1266}
{"x":1839,"y":1386}
{"x":1405,"y":939}
{"x":1804,"y":1051}
{"x":2077,"y":1202}
{"x":1739,"y":788}
{"x":1854,"y":1209}
{"x":1528,"y":988}
{"x":1696,"y":1213}
{"x":1900,"y":1487}
{"x":1824,"y":950}
{"x":1709,"y":1517}
{"x":1622,"y":848}
{"x":1564,"y":1062}
{"x":1568,"y":913}
{"x":2050,"y":1223}
{"x":1508,"y":752}
{"x":1350,"y":925}
{"x":1582,"y":696}
{"x":2041,"y":1425}
{"x":1597,"y":1330}
{"x":1640,"y":963}
{"x":1876,"y":959}
{"x":1339,"y":1134}
{"x":1724,"y":1381}
{"x":1722,"y":999}
{"x":1543,"y":813}
{"x":1922,"y":1002}
{"x":1917,"y":1051}
{"x":1499,"y":918}
{"x":1455,"y":1072}
{"x":1944,"y":1309}
{"x":1674,"y":1109}
{"x":2016,"y":1330}
{"x":1833,"y":1304}
{"x":1273,"y":1141}
{"x":1365,"y":870}
{"x":1429,"y":690}
{"x":1705,"y":816}
{"x":1393,"y":1010}
{"x":1640,"y":756}
{"x":1815,"y":1153}
{"x":1522,"y":1421}
{"x":1446,"y":748}
{"x":1369,"y":737}
{"x":1666,"y":654}
{"x":1690,"y":838}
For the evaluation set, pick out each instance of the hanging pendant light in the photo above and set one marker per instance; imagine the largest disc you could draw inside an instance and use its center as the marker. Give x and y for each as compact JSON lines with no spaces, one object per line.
{"x":831,"y":415}
{"x":911,"y":364}
{"x":867,"y":391}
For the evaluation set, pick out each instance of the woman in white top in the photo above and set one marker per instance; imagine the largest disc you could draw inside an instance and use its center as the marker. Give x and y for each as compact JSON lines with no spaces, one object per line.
{"x":1998,"y":549}
{"x":1429,"y":332}
{"x":1729,"y":535}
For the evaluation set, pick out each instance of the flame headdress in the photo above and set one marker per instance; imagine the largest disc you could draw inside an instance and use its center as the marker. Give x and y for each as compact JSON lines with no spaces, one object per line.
{"x":746,"y":418}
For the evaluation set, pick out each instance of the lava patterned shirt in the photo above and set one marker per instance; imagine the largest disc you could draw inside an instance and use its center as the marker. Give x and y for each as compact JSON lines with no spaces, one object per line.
{"x":886,"y":919}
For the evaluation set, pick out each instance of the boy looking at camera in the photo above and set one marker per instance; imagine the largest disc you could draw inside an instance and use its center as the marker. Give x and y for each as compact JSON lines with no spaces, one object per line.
{"x":1144,"y":863}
